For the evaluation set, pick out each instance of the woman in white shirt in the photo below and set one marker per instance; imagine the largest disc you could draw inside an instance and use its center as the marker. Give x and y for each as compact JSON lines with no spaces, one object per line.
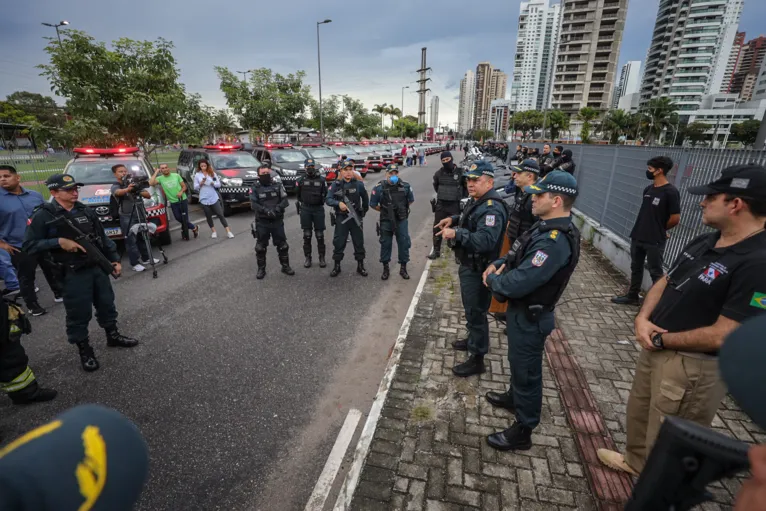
{"x":206,"y":182}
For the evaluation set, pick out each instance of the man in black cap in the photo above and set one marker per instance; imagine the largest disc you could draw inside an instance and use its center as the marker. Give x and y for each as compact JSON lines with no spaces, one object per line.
{"x":85,"y":284}
{"x":532,"y":278}
{"x":310,"y":191}
{"x":450,"y":188}
{"x":717,"y":282}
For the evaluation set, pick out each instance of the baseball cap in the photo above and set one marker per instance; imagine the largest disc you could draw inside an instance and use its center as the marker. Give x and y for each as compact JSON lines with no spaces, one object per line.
{"x":348,"y":163}
{"x":554,"y":182}
{"x":61,"y":182}
{"x":392,"y":168}
{"x":479,"y":168}
{"x":527,"y":166}
{"x":309,"y":162}
{"x":746,"y":180}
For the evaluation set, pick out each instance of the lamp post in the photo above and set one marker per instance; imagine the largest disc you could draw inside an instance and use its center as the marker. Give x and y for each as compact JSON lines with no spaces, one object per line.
{"x":319,"y":66}
{"x":56,"y":26}
{"x":405,"y":87}
{"x":731,"y":123}
{"x":244,"y":74}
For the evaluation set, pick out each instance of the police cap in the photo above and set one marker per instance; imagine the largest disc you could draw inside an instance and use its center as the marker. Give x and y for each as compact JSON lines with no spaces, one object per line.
{"x":480,"y":168}
{"x":556,"y":181}
{"x":746,"y":180}
{"x":61,"y":182}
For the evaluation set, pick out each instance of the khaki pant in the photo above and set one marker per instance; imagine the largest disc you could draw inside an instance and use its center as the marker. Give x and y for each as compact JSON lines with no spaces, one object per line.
{"x":668,"y":383}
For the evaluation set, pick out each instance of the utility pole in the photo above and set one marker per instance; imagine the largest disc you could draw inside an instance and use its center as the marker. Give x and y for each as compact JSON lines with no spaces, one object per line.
{"x":422,"y":90}
{"x":319,"y":66}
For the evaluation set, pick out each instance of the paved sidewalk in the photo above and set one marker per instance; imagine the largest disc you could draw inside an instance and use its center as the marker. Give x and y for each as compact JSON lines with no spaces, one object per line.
{"x":429,"y":452}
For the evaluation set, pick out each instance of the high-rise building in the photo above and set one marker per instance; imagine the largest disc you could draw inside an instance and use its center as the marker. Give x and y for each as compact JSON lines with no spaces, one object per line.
{"x":490,"y":84}
{"x":760,"y":84}
{"x":500,"y":112}
{"x":498,"y":84}
{"x":689,"y":54}
{"x":733,"y":63}
{"x":465,"y":106}
{"x":434,"y":112}
{"x":588,"y":52}
{"x":746,"y":75}
{"x":630,"y":81}
{"x":535,"y":54}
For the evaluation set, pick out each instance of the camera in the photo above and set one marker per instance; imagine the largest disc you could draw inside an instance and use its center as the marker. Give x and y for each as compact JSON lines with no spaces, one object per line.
{"x":140,"y":183}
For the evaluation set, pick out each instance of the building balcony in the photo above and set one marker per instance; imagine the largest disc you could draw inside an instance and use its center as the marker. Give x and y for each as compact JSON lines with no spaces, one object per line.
{"x":705,"y":12}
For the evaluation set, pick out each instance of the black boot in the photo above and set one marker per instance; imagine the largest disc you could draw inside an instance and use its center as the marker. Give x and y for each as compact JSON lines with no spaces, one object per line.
{"x":284,"y":260}
{"x":403,"y":272}
{"x":321,"y":248}
{"x":335,"y":269}
{"x":307,"y":262}
{"x":360,"y":268}
{"x":87,"y":357}
{"x":30,"y":395}
{"x":386,"y":272}
{"x":474,"y":365}
{"x":307,"y":249}
{"x":517,"y":438}
{"x":461,"y":345}
{"x":501,"y":400}
{"x":261,"y":262}
{"x":436,"y":250}
{"x":114,"y":339}
{"x":626,"y":299}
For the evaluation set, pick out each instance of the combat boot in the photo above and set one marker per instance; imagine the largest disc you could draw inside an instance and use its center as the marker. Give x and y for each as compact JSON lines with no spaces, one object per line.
{"x":321,"y":249}
{"x":436,"y":250}
{"x":87,"y":357}
{"x":284,"y":260}
{"x":403,"y":272}
{"x":260,"y":259}
{"x":360,"y":268}
{"x":386,"y":272}
{"x":335,"y":269}
{"x":516,"y":438}
{"x":322,"y":262}
{"x":474,"y":365}
{"x":114,"y":339}
{"x":307,"y":262}
{"x":38,"y":395}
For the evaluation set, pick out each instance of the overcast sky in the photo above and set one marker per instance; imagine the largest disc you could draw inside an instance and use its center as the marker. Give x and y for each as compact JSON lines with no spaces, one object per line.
{"x":367,"y":52}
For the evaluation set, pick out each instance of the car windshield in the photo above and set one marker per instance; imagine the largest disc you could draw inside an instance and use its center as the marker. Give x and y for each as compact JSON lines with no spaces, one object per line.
{"x":238,"y":160}
{"x":345,"y":149}
{"x":321,"y":152}
{"x":288,"y":156}
{"x":99,"y":171}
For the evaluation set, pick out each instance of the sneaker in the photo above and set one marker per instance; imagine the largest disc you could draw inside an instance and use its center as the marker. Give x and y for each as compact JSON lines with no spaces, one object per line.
{"x":229,"y":235}
{"x":196,"y":231}
{"x":214,"y":235}
{"x":615,"y":461}
{"x":57,"y":298}
{"x":139,"y":267}
{"x":626,"y":300}
{"x":35,"y":309}
{"x":156,"y":261}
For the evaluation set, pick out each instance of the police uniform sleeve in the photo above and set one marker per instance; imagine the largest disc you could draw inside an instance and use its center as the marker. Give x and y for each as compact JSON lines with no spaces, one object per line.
{"x":365,"y":197}
{"x":331,"y":200}
{"x":410,"y":195}
{"x":109,"y":247}
{"x":746,"y":296}
{"x":491,"y":224}
{"x":375,"y":195}
{"x":284,"y":203}
{"x":543,"y":258}
{"x":436,"y":181}
{"x":36,"y":239}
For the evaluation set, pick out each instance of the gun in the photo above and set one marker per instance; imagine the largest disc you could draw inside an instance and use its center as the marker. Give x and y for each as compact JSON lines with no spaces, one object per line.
{"x":92,"y":247}
{"x":391,"y":212}
{"x":351,"y":214}
{"x":298,"y":207}
{"x":377,"y":229}
{"x":686,"y":458}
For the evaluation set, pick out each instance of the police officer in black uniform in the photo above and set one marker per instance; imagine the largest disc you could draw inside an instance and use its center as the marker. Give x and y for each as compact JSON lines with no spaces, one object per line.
{"x":352,"y":189}
{"x":450,"y":188}
{"x":85,"y":285}
{"x":546,"y":159}
{"x":522,"y":218}
{"x":532,"y":278}
{"x":478,"y":239}
{"x":311,"y":191}
{"x":269,"y":201}
{"x":392,"y":197}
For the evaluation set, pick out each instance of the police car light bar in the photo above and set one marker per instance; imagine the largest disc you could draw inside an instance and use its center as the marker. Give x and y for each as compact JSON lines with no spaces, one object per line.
{"x":105,"y":152}
{"x":310,"y":145}
{"x":224,"y":147}
{"x":277,"y":146}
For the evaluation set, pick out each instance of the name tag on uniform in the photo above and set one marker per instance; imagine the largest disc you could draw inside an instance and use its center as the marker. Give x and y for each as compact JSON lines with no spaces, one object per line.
{"x":490,"y":220}
{"x":273,"y":194}
{"x":262,"y":195}
{"x":316,"y":183}
{"x":351,"y":190}
{"x":81,"y":219}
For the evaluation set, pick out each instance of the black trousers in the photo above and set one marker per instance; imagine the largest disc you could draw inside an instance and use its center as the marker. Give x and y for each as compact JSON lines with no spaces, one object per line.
{"x":26,"y":268}
{"x":340,"y":238}
{"x":16,"y":378}
{"x":642,"y":252}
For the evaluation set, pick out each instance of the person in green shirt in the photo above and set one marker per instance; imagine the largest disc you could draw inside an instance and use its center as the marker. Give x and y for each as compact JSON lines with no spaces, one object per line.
{"x":175,"y":191}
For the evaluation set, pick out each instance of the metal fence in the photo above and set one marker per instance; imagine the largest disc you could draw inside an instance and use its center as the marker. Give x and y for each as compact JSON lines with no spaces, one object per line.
{"x":611,"y":180}
{"x":34,"y":168}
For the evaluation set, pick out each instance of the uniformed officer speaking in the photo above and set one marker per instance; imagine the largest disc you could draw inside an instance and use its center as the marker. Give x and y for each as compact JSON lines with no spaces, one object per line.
{"x":311,"y":191}
{"x":449,"y":185}
{"x":532,"y":278}
{"x":478,"y":237}
{"x":269,"y":201}
{"x":392,"y":197}
{"x":352,"y":189}
{"x":85,"y":284}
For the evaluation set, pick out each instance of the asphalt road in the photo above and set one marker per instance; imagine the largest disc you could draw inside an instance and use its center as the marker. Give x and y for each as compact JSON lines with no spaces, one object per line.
{"x":240,"y":386}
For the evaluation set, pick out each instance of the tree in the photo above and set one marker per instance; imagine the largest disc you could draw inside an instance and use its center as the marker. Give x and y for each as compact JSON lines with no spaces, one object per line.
{"x":483,"y":134}
{"x":267,"y":101}
{"x":746,"y":132}
{"x":616,"y":123}
{"x":223,"y":123}
{"x":43,"y":108}
{"x":380,"y":110}
{"x":361,"y":123}
{"x":333,"y":115}
{"x":407,"y":126}
{"x":586,"y":115}
{"x":527,"y":122}
{"x":558,"y":121}
{"x":695,"y":132}
{"x":660,"y":115}
{"x":129,"y":93}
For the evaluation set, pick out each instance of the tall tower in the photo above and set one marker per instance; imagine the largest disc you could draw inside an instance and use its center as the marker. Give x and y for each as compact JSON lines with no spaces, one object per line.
{"x":422,"y":90}
{"x":434,"y":121}
{"x":467,"y":97}
{"x":482,"y":96}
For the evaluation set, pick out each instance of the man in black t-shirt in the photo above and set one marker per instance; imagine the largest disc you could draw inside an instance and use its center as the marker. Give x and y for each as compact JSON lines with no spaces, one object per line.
{"x":716,"y":283}
{"x":660,"y":211}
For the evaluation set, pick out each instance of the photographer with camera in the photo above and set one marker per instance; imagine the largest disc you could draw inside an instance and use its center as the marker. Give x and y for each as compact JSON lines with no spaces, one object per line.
{"x":126,"y":191}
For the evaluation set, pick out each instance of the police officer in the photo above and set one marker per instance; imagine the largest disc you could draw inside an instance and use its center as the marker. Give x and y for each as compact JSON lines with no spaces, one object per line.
{"x":392,"y":197}
{"x":450,"y":188}
{"x":532,"y":277}
{"x":563,"y":162}
{"x":546,"y":159}
{"x":85,"y":285}
{"x":478,"y":236}
{"x":269,"y":201}
{"x":352,"y":189}
{"x":311,"y":190}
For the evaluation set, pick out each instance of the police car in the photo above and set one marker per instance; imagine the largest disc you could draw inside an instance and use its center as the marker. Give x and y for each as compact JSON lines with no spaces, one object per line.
{"x":285,"y":160}
{"x":92,"y":167}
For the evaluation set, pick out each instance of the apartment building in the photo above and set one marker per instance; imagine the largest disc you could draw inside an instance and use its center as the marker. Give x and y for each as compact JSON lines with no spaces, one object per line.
{"x":466,"y":101}
{"x":744,"y":80}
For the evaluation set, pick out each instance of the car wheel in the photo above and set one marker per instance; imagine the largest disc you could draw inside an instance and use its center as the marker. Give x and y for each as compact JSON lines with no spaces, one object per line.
{"x":227,"y":210}
{"x":164,"y":238}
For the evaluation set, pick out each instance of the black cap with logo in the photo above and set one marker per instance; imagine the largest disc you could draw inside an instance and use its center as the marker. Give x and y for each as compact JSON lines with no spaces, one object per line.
{"x":746,"y":180}
{"x":61,"y":182}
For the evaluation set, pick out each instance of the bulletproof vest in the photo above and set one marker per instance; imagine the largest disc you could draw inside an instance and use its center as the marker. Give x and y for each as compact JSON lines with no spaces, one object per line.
{"x":311,"y":191}
{"x":450,"y":188}
{"x":521,"y":218}
{"x":269,"y":197}
{"x":80,"y":218}
{"x":550,"y":293}
{"x":546,"y":159}
{"x":397,"y":196}
{"x":567,"y":166}
{"x":468,"y":221}
{"x":349,"y":189}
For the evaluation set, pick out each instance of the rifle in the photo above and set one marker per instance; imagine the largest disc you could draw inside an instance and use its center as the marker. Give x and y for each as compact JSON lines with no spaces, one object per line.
{"x":91,"y":245}
{"x":391,"y":212}
{"x":351,"y":214}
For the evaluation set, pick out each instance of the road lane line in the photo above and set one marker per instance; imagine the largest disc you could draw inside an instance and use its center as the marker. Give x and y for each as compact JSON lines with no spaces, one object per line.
{"x":333,"y":463}
{"x":365,"y":440}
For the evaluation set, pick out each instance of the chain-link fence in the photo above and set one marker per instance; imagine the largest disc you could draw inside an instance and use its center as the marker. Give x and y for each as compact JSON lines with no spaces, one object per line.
{"x":34,"y":168}
{"x":611,"y":180}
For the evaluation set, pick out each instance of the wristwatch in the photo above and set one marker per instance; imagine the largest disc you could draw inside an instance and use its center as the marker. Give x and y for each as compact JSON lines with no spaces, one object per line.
{"x":657,"y":340}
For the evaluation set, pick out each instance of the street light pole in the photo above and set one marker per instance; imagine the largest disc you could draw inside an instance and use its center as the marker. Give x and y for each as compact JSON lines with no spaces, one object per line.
{"x":56,"y":26}
{"x":244,"y":74}
{"x":319,"y":66}
{"x":731,"y":123}
{"x":405,"y":87}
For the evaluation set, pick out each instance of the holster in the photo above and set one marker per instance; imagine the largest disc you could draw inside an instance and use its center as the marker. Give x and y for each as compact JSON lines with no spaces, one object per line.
{"x":433,"y":205}
{"x":253,"y":229}
{"x":377,"y":228}
{"x":333,"y":219}
{"x":533,"y":312}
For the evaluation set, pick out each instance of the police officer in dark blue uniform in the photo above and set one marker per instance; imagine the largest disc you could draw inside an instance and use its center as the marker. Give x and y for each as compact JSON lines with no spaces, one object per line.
{"x":532,"y":278}
{"x":476,"y":240}
{"x":392,"y":197}
{"x":85,"y":285}
{"x":522,"y":218}
{"x":449,"y":185}
{"x":311,"y":191}
{"x":352,"y":189}
{"x":269,"y":201}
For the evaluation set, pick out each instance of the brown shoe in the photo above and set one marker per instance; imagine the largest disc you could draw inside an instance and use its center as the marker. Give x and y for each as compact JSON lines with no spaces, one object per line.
{"x":615,"y":461}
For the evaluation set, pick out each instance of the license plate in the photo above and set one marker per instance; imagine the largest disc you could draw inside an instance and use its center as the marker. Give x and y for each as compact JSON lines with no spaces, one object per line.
{"x":113,"y":231}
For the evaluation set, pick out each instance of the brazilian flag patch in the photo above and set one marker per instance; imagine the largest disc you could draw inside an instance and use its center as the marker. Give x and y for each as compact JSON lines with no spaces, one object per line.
{"x":758,"y":301}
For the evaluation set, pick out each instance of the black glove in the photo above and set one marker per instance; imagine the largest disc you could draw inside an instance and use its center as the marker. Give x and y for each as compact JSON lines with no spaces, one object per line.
{"x":279,"y":210}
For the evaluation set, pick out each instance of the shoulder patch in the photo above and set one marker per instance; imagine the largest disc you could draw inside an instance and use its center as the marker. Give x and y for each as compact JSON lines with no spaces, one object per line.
{"x":758,"y":300}
{"x":490,"y":220}
{"x":489,"y":202}
{"x":539,"y":258}
{"x":554,"y":234}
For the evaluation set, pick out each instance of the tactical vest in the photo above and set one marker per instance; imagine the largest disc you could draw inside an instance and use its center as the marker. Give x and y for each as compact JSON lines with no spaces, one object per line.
{"x":567,"y":166}
{"x":80,"y":218}
{"x":480,"y":260}
{"x":546,"y":159}
{"x":519,"y":156}
{"x":269,"y":197}
{"x":397,"y":196}
{"x":311,"y":191}
{"x":521,"y":218}
{"x":450,"y":188}
{"x":349,"y":190}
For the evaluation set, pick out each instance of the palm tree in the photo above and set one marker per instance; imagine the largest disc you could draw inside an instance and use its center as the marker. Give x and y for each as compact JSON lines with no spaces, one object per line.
{"x":615,"y":123}
{"x":395,"y":112}
{"x":586,"y":115}
{"x":660,"y":114}
{"x":380,"y":110}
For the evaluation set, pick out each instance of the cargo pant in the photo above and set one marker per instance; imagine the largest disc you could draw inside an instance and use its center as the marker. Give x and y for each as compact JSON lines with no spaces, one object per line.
{"x":476,"y":298}
{"x":85,"y":289}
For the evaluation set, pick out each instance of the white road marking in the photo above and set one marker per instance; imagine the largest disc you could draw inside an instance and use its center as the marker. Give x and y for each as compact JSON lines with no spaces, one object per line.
{"x":334,"y":460}
{"x":363,"y":447}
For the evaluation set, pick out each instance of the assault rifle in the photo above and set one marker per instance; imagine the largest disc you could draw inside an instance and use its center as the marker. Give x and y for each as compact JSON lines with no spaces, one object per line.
{"x":351,"y":213}
{"x":90,"y":243}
